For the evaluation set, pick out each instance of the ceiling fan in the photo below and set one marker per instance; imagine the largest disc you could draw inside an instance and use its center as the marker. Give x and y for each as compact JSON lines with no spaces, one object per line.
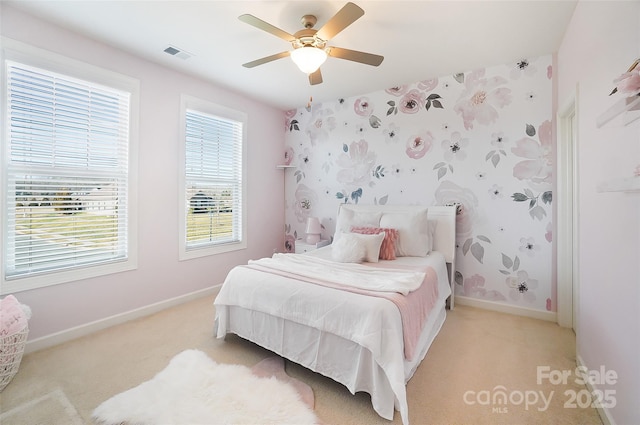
{"x":310,"y":48}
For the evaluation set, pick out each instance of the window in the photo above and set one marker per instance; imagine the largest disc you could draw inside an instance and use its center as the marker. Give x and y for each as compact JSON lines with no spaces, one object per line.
{"x":67,"y":185}
{"x":212,"y":196}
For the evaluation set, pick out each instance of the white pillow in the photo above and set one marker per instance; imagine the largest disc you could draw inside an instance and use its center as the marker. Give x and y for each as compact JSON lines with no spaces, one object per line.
{"x":414,"y":238}
{"x":432,"y":233}
{"x":372,"y":244}
{"x":348,"y":249}
{"x":349,"y":218}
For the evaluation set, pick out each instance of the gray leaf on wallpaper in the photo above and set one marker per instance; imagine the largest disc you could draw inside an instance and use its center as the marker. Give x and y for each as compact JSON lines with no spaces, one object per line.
{"x":506,"y":261}
{"x":531,"y":130}
{"x":484,"y":238}
{"x":495,"y":160}
{"x":466,"y":245}
{"x":547,"y":197}
{"x":345,"y":147}
{"x":538,"y":212}
{"x":519,"y":197}
{"x":374,"y":121}
{"x":441,"y":172}
{"x":510,"y":264}
{"x":459,"y":77}
{"x":381,"y":201}
{"x":477,"y":251}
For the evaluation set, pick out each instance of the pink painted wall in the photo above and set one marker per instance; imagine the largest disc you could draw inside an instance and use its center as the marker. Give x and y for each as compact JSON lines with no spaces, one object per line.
{"x":160,"y":276}
{"x":601,"y":42}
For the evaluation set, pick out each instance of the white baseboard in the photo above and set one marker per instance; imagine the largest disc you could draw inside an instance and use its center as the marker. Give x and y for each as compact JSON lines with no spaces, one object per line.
{"x":603,"y":412}
{"x":549,"y":316}
{"x":91,"y":327}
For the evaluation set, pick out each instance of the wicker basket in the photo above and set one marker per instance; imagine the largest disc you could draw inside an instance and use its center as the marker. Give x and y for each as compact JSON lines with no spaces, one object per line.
{"x":11,"y":350}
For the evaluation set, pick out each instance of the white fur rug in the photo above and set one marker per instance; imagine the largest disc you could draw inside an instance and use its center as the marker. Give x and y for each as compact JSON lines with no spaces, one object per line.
{"x":193,"y":389}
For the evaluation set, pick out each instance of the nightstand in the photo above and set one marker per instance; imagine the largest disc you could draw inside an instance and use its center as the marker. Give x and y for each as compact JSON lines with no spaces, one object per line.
{"x":302,"y":246}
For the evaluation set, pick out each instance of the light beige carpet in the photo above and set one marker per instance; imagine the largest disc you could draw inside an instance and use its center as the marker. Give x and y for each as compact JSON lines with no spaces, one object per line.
{"x":51,"y":408}
{"x":475,"y":352}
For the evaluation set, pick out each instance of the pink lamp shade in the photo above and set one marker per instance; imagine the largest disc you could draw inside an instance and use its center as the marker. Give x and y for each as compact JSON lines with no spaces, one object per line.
{"x":313,"y":230}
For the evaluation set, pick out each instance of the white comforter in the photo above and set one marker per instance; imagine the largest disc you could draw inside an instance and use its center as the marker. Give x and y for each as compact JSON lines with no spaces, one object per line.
{"x":375,"y":324}
{"x":347,"y":274}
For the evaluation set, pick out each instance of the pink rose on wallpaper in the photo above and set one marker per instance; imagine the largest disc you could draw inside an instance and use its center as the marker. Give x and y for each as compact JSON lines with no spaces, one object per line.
{"x":290,"y":123}
{"x":481,"y":97}
{"x":549,"y":233}
{"x":450,"y":193}
{"x":538,"y":166}
{"x":521,"y":287}
{"x":428,"y":85}
{"x":397,"y":90}
{"x":363,"y":107}
{"x":357,"y":164}
{"x":321,"y":123}
{"x":305,"y":199}
{"x":419,"y":145}
{"x":411,"y":101}
{"x":474,"y":287}
{"x":629,"y":82}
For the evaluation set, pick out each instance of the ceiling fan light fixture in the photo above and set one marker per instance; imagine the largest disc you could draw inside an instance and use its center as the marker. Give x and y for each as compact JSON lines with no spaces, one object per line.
{"x":308,"y":58}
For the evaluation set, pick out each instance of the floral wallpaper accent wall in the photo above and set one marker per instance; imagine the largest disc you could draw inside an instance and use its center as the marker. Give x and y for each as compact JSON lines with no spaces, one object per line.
{"x":480,"y":139}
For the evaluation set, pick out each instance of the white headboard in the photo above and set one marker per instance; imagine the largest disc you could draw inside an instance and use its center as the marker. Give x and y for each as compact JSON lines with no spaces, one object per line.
{"x":445,"y":216}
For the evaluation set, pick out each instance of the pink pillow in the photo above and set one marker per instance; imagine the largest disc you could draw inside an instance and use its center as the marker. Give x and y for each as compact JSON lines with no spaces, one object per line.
{"x":388,"y":247}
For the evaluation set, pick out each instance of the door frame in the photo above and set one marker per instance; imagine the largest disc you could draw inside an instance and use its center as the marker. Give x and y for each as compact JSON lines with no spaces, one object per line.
{"x":567,"y":279}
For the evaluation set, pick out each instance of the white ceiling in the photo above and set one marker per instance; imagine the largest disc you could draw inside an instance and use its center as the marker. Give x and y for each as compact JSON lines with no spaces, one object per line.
{"x":419,"y":39}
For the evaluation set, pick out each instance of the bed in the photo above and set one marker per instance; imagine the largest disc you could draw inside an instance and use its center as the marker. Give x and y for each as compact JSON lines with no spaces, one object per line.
{"x":351,"y":334}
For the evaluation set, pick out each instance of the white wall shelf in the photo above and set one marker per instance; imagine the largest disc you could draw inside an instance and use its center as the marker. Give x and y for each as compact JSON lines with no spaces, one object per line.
{"x":631,"y":184}
{"x":284,"y":167}
{"x":628,"y":109}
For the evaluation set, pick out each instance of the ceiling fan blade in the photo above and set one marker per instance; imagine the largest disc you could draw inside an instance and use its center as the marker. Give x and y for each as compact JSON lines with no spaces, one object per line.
{"x":356,"y":56}
{"x":265,"y":26}
{"x":315,"y":78}
{"x":265,"y":59}
{"x":345,"y":17}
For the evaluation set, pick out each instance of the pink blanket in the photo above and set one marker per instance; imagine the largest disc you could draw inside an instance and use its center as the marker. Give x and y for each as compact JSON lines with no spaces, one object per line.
{"x":414,"y":307}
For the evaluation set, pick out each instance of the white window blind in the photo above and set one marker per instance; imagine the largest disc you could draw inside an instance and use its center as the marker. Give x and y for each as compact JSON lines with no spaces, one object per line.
{"x":213,"y":180}
{"x":67,"y":173}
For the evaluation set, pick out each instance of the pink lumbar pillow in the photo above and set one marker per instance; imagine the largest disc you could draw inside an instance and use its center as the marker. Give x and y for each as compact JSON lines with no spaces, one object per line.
{"x":388,"y":247}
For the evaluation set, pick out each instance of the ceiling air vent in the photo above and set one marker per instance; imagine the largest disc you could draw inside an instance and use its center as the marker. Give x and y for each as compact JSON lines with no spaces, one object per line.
{"x":179,"y":53}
